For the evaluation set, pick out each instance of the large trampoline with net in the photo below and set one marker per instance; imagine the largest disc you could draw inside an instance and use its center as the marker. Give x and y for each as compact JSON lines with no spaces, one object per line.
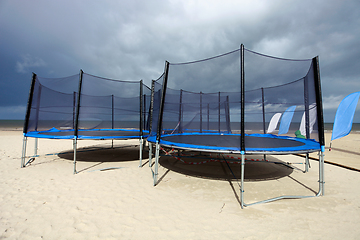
{"x":84,"y":106}
{"x":265,"y":92}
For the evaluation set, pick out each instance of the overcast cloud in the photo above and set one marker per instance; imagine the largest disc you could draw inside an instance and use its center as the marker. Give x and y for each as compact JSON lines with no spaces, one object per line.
{"x":130,"y":40}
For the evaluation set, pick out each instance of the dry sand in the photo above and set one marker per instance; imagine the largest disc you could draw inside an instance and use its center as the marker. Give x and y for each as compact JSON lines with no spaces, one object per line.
{"x":46,"y":200}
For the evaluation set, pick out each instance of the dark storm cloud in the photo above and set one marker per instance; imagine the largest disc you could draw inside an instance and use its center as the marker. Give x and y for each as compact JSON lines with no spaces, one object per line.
{"x":130,"y":40}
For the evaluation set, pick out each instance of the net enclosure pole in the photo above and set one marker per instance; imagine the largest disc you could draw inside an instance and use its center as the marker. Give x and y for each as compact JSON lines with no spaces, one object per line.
{"x":227,"y":114}
{"x":320,"y":118}
{"x":27,"y":116}
{"x":78,"y":104}
{"x":112,"y":118}
{"x":180,"y":111}
{"x":37,"y":112}
{"x":306,"y":107}
{"x":141,"y":123}
{"x":29,"y":103}
{"x":307,"y":118}
{"x":112,"y":111}
{"x":141,"y":108}
{"x":145,"y":121}
{"x":151,"y":117}
{"x":152,"y":104}
{"x":219,"y":112}
{"x":74,"y":110}
{"x":242,"y":119}
{"x":159,"y":129}
{"x":208,"y":116}
{"x":200,"y":111}
{"x":242,"y":100}
{"x":263,"y":110}
{"x":162,"y":101}
{"x":319,"y":101}
{"x":77,"y":119}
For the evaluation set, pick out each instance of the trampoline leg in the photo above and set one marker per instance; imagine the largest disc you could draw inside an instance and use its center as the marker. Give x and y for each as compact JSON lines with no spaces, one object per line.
{"x":307,"y":163}
{"x":23,"y":152}
{"x":321,"y":173}
{"x":242,"y":180}
{"x":141,"y":151}
{"x":36,"y":146}
{"x":145,"y":143}
{"x":150,"y":153}
{"x":155,"y":174}
{"x":75,"y":146}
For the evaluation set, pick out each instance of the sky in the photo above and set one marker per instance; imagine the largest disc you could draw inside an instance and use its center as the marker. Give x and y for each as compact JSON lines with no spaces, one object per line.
{"x":130,"y":40}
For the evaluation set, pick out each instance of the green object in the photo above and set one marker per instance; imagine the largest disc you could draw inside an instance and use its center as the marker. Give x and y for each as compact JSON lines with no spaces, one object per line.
{"x":298,"y":134}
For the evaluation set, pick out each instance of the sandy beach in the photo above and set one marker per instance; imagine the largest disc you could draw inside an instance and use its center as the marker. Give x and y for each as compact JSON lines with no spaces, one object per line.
{"x":113,"y":198}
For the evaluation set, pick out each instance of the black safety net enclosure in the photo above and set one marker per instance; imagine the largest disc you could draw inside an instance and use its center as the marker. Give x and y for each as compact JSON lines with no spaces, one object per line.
{"x":84,"y":106}
{"x":241,"y":102}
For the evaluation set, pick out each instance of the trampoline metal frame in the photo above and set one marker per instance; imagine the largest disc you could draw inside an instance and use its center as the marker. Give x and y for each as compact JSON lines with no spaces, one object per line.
{"x":75,"y":136}
{"x":321,"y":191}
{"x":321,"y":181}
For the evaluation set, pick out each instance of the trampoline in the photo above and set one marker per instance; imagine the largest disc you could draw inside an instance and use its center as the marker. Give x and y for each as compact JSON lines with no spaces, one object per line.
{"x":241,"y":102}
{"x":229,"y":143}
{"x":96,"y":134}
{"x":87,"y":107}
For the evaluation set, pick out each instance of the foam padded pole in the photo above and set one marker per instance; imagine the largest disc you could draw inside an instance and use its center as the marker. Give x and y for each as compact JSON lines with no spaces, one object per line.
{"x":78,"y":105}
{"x":242,"y":145}
{"x":200,"y":111}
{"x":112,"y":111}
{"x":320,"y":118}
{"x":263,"y":108}
{"x":219,"y":112}
{"x":180,"y":111}
{"x":74,"y":110}
{"x":227,"y":114}
{"x":141,"y":108}
{"x":29,"y":103}
{"x":152,"y":105}
{"x":315,"y":62}
{"x":306,"y":105}
{"x":162,"y":101}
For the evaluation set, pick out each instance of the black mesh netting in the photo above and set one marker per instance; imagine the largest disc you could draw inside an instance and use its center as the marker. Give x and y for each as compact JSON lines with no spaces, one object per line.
{"x":104,"y":104}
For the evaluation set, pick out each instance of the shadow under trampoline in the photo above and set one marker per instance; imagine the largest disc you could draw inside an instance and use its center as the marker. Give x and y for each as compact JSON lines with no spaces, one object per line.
{"x":99,"y":155}
{"x":225,"y":168}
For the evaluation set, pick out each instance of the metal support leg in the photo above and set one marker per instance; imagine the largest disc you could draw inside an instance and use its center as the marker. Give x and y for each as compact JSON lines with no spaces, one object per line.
{"x":75,"y":146}
{"x":23,"y":152}
{"x":36,"y":147}
{"x":155,"y":174}
{"x":307,"y":163}
{"x":150,"y":153}
{"x":141,"y":151}
{"x":242,"y":180}
{"x":321,"y":173}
